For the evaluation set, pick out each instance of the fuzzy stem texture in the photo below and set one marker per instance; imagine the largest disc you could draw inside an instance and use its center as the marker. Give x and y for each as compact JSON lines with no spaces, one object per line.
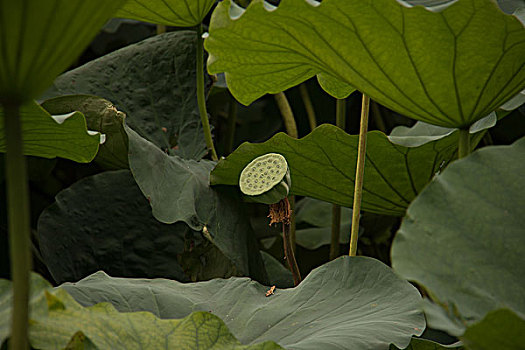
{"x":201,"y":97}
{"x":18,"y":226}
{"x":359,"y":175}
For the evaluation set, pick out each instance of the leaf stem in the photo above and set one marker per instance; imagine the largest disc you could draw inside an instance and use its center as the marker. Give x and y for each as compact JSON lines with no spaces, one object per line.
{"x":287,"y":114}
{"x":291,"y":130}
{"x":201,"y":97}
{"x":232,"y":121}
{"x":308,"y":106}
{"x":340,"y":113}
{"x":289,"y":252}
{"x":340,"y":120}
{"x":359,"y":175}
{"x":463,"y":143}
{"x":19,"y":226}
{"x":291,"y":199}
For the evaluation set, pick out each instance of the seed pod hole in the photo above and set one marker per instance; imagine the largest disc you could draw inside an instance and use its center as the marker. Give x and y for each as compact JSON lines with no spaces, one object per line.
{"x":265,"y":171}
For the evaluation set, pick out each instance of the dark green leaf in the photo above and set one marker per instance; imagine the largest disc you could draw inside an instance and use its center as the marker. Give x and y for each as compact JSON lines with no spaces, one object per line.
{"x":322,"y":166}
{"x":103,"y":222}
{"x":178,"y":190}
{"x":350,"y":303}
{"x":45,"y":136}
{"x":501,"y":329}
{"x":153,"y":82}
{"x":462,"y":237}
{"x":446,"y":68}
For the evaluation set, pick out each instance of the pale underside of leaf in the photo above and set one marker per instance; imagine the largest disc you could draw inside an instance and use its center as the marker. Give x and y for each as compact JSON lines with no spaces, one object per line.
{"x":350,"y":303}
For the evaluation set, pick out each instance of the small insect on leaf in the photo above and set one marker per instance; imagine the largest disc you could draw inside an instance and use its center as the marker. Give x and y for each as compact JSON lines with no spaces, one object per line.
{"x":270,"y":291}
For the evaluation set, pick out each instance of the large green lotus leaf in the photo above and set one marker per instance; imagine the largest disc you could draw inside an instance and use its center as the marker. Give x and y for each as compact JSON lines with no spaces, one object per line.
{"x":178,"y":13}
{"x":319,"y":214}
{"x":154,"y":83}
{"x":446,"y":68}
{"x":178,"y":190}
{"x":349,"y":303}
{"x":322,"y":166}
{"x":41,"y":38}
{"x":501,"y":329}
{"x":64,"y":136}
{"x":101,"y":116}
{"x":103,"y":222}
{"x":462,"y":237}
{"x":57,"y":320}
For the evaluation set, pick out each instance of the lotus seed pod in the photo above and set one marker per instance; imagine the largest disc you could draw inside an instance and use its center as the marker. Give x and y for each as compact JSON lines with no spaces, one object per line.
{"x":266,"y":179}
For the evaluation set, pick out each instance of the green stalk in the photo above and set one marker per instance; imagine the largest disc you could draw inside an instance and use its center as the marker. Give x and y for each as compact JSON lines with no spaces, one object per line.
{"x":308,"y":105}
{"x":19,"y":226}
{"x":287,"y":114}
{"x":201,"y":97}
{"x":232,"y":121}
{"x":340,"y":120}
{"x":291,"y":199}
{"x":291,"y":130}
{"x":359,"y":175}
{"x":463,"y":143}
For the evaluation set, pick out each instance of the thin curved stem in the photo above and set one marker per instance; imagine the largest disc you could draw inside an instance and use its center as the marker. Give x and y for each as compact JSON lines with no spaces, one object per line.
{"x":19,"y":226}
{"x":308,"y":106}
{"x":359,"y":175}
{"x":291,"y":199}
{"x":291,"y":130}
{"x":340,"y":120}
{"x":201,"y":97}
{"x":287,"y":114}
{"x":289,"y":251}
{"x":463,"y":143}
{"x":340,"y":113}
